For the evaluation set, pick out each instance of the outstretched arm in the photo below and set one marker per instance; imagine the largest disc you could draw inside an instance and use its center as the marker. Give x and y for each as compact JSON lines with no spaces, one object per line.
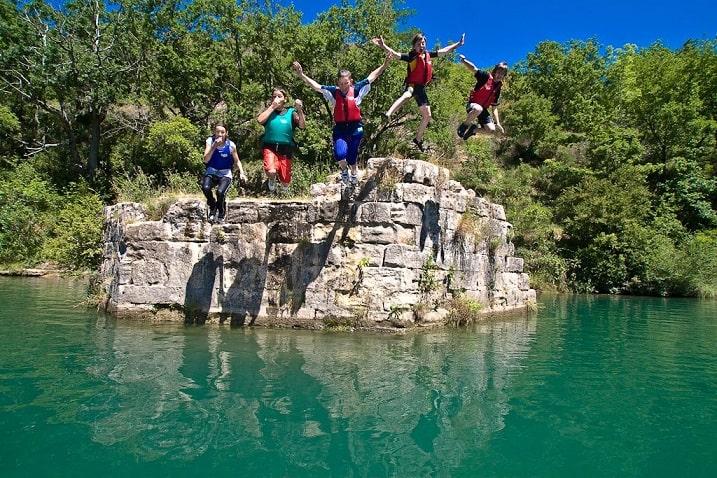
{"x":378,"y":41}
{"x":299,"y":70}
{"x":467,"y":63}
{"x":452,"y":47}
{"x":373,"y":76}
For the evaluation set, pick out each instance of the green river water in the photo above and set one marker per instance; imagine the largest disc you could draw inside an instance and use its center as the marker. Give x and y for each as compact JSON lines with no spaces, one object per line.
{"x":588,"y":386}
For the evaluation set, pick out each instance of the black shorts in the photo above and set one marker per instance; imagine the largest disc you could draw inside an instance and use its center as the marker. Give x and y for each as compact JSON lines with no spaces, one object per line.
{"x":419,"y":93}
{"x":483,"y":118}
{"x":282,"y":149}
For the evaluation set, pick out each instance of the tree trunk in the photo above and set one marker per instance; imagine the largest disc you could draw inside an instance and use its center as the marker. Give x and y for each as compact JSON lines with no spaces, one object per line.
{"x":93,"y":159}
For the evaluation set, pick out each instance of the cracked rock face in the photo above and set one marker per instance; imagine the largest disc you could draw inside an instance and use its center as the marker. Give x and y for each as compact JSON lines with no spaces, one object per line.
{"x":392,"y":251}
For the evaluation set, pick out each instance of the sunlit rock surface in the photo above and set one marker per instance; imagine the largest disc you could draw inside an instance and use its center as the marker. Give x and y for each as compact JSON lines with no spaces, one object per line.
{"x":392,"y":251}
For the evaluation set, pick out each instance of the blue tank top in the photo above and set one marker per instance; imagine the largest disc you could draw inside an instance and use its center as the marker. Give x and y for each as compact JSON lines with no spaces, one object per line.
{"x":222,"y":156}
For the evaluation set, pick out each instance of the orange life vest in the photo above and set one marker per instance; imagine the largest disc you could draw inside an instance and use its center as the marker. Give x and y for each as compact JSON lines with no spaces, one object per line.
{"x":346,"y":110}
{"x":484,"y":95}
{"x":422,"y":72}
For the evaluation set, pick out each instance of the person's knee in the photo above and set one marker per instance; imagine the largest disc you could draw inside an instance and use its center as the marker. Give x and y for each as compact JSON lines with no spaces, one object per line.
{"x":341,"y":149}
{"x":426,"y":113}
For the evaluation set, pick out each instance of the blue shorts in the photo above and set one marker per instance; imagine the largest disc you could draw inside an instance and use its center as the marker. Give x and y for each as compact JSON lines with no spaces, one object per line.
{"x":346,"y":143}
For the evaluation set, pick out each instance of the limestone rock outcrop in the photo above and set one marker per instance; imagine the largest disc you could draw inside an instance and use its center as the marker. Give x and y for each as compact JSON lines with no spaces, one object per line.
{"x":396,"y":250}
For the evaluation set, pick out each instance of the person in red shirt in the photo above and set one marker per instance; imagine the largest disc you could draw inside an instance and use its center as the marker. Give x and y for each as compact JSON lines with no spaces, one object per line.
{"x":485,"y":94}
{"x":419,"y":74}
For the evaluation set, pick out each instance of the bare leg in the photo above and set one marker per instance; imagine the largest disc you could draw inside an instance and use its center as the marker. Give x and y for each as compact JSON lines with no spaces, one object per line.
{"x":425,"y":119}
{"x":400,"y":101}
{"x":475,"y":111}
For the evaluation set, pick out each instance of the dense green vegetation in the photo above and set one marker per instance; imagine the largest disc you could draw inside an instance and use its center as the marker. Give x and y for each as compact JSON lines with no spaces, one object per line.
{"x":607,"y":169}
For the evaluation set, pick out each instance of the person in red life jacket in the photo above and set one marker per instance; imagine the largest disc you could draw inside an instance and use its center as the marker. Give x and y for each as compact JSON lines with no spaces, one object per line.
{"x":345,"y":99}
{"x":485,"y":94}
{"x":221,"y":157}
{"x":278,"y":140}
{"x":419,"y":74}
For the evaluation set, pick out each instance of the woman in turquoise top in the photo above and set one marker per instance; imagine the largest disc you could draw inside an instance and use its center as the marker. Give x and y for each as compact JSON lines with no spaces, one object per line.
{"x":278,"y":141}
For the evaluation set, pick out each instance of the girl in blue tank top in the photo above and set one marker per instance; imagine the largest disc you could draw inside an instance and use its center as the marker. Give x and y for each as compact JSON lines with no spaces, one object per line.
{"x":221,"y":157}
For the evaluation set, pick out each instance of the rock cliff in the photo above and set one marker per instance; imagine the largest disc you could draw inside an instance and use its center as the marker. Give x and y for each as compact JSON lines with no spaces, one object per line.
{"x":403,"y":247}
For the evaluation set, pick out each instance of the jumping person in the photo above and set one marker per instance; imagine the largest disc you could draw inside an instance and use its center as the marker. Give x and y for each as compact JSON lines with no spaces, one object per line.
{"x":485,"y":94}
{"x":220,"y":156}
{"x":419,"y":74}
{"x":344,"y":99}
{"x":278,"y":140}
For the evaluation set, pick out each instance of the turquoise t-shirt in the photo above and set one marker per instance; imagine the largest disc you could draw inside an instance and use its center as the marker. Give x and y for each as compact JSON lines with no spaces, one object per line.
{"x":279,"y":128}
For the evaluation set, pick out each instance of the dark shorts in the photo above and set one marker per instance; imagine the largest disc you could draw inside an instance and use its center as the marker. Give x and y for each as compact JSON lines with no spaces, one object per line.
{"x":280,"y":149}
{"x":419,"y":93}
{"x":346,"y":141}
{"x":483,"y":118}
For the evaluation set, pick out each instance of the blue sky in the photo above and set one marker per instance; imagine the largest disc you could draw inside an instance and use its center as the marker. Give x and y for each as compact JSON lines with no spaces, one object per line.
{"x":511,"y":28}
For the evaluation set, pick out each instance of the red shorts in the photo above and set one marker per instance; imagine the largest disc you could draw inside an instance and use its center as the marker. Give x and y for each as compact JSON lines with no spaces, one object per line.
{"x":281,"y":163}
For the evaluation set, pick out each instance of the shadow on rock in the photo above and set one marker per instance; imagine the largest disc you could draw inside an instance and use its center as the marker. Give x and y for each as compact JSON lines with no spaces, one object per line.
{"x":308,"y":260}
{"x":245,"y":294}
{"x":199,"y":290}
{"x":430,"y":229}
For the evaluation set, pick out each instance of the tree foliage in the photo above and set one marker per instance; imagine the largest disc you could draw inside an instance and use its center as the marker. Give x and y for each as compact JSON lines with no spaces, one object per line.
{"x":608,"y":169}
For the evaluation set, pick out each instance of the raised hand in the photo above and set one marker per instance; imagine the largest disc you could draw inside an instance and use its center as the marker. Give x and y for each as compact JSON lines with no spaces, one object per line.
{"x":296,"y":66}
{"x":278,"y":103}
{"x":378,"y":41}
{"x":298,"y":104}
{"x":462,"y":41}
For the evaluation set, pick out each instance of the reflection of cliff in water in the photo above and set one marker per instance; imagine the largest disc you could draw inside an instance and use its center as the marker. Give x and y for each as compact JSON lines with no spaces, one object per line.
{"x":282,"y":402}
{"x":417,"y":404}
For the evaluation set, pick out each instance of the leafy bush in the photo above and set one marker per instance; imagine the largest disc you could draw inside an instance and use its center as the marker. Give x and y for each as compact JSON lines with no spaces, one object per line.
{"x":75,"y":241}
{"x":27,"y":206}
{"x":304,"y":175}
{"x":463,"y":310}
{"x":698,"y":271}
{"x":137,"y":187}
{"x":173,"y":143}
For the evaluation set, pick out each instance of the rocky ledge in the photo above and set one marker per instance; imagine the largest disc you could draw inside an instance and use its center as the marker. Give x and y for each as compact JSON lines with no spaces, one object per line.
{"x":406,"y":246}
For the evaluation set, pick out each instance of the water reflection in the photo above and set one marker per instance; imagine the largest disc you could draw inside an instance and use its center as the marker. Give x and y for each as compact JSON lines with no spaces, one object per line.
{"x":305,"y":400}
{"x":594,"y":385}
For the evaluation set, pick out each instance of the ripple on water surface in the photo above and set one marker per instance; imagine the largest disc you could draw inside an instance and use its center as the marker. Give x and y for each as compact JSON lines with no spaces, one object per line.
{"x":589,"y":386}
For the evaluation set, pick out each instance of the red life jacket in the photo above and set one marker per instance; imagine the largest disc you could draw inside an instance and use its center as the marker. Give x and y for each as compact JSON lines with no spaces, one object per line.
{"x":346,"y":110}
{"x":485,"y":94}
{"x":422,"y":72}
